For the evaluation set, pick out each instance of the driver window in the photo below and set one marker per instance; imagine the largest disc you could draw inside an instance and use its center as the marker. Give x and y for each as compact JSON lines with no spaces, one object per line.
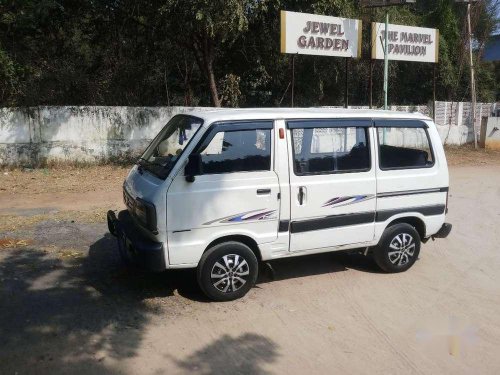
{"x":237,"y":151}
{"x":215,"y":145}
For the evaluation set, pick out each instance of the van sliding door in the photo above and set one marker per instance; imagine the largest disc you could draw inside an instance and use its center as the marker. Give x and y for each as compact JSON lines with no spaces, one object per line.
{"x":332,"y":183}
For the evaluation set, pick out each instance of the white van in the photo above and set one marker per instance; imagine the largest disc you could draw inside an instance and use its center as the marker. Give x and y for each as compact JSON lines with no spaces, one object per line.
{"x":223,"y":190}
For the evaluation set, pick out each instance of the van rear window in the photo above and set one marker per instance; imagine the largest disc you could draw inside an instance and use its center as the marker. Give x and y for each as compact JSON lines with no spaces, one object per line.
{"x":330,"y":150}
{"x":404,"y":148}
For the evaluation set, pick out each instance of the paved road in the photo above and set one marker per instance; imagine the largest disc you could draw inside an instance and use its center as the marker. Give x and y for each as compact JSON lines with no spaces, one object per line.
{"x":68,"y":306}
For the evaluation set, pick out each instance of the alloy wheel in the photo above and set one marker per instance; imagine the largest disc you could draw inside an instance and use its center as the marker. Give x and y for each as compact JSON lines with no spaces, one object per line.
{"x":229,"y":273}
{"x":402,"y":249}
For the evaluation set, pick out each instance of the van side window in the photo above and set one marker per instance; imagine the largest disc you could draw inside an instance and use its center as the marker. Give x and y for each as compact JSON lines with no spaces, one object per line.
{"x":401,"y":147}
{"x":330,"y":150}
{"x":237,"y":151}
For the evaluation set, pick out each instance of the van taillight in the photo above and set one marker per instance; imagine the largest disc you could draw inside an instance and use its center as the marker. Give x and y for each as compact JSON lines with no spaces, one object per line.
{"x":447,"y":193}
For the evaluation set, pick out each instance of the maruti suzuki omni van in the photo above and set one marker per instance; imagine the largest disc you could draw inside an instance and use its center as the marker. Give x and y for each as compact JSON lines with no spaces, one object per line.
{"x":224,"y":190}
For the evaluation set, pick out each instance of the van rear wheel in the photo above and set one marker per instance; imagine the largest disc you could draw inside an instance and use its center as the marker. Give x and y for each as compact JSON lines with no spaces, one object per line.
{"x":398,"y":248}
{"x":227,"y":271}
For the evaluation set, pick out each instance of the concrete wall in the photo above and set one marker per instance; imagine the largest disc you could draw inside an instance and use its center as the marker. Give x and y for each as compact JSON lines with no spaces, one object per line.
{"x":453,"y":119}
{"x":492,"y":140}
{"x":39,"y":135}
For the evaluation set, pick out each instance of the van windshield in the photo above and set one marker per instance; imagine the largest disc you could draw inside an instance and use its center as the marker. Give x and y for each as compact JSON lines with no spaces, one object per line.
{"x":161,"y":155}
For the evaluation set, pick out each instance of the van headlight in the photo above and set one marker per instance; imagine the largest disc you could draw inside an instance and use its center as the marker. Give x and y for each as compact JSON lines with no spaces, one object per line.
{"x":145,"y":212}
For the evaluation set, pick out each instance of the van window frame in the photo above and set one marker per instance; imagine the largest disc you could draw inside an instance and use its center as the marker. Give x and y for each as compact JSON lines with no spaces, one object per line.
{"x":162,"y":173}
{"x":232,"y":126}
{"x":364,"y":123}
{"x":405,"y":124}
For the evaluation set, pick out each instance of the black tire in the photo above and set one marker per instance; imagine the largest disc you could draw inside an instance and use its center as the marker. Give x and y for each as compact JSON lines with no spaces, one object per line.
{"x":238,"y":263}
{"x":398,"y":248}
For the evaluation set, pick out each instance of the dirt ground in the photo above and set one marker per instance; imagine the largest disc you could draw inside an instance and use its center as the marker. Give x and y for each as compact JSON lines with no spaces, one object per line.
{"x":67,"y":305}
{"x":467,"y":155}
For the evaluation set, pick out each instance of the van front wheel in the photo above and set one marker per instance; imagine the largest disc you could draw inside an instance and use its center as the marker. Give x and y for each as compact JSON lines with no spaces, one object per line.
{"x":398,"y":248}
{"x":227,"y":271}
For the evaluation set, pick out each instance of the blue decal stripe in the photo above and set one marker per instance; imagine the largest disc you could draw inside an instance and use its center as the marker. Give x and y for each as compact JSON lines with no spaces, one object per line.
{"x":260,"y":214}
{"x":344,"y":201}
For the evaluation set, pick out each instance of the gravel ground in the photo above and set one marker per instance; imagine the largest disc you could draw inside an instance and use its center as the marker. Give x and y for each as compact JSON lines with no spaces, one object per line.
{"x":67,"y":305}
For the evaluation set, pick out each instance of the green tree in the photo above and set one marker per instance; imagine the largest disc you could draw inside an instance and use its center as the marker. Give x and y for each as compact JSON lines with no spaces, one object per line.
{"x":207,"y":27}
{"x":220,"y":52}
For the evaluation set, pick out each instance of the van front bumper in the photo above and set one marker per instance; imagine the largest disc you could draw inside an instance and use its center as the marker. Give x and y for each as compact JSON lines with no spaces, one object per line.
{"x":135,"y":248}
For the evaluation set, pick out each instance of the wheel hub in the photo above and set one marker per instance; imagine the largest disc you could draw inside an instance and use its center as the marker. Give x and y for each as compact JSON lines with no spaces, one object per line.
{"x":402,"y":249}
{"x":230,"y":273}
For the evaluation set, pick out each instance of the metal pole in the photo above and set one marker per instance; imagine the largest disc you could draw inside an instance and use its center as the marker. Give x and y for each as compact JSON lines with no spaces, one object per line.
{"x":472,"y":79}
{"x":371,"y":83}
{"x":434,"y":92}
{"x":293,"y":77}
{"x":386,"y":59}
{"x":371,"y":60}
{"x":346,"y":89}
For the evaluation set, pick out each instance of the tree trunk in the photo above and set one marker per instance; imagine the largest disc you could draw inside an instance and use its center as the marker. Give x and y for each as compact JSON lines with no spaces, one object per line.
{"x":187,"y":74}
{"x":204,"y":53}
{"x":188,"y":95}
{"x":213,"y":85}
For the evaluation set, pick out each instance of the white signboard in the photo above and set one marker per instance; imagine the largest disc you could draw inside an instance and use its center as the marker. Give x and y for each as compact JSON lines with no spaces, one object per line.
{"x":406,"y":43}
{"x":311,"y":34}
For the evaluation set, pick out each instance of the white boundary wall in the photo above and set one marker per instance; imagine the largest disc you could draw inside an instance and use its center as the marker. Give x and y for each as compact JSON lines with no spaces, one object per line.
{"x":38,"y":135}
{"x":454,"y":120}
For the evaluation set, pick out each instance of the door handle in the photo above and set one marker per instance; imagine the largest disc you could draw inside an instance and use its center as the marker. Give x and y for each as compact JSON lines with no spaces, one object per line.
{"x":263,"y":191}
{"x":301,"y":195}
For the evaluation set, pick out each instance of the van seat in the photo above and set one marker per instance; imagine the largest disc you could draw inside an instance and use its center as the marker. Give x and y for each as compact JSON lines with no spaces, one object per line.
{"x":392,"y":156}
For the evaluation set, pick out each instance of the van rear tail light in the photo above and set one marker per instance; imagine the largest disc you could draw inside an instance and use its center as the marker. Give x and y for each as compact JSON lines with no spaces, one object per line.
{"x":447,"y":193}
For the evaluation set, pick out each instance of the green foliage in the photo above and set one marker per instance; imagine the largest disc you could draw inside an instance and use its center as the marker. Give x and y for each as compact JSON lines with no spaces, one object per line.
{"x":230,"y":87}
{"x":208,"y":28}
{"x":8,"y":78}
{"x":219,"y":52}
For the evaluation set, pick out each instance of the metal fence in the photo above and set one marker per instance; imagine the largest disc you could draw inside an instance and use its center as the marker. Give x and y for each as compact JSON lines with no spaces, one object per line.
{"x":459,"y":113}
{"x":453,"y":119}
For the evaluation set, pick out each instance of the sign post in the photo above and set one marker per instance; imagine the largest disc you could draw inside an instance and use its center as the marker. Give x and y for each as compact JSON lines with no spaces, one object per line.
{"x":312,"y":34}
{"x":346,"y":89}
{"x":383,"y":4}
{"x":403,"y":43}
{"x":386,"y":61}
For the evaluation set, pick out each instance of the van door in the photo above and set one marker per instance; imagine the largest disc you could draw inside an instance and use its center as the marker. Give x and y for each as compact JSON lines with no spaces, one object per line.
{"x":412,"y":174}
{"x":332,"y":184}
{"x":236,"y":193}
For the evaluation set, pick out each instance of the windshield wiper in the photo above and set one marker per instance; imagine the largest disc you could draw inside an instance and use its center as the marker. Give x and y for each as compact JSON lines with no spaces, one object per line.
{"x":151,"y":162}
{"x":142,"y":159}
{"x":157,"y":169}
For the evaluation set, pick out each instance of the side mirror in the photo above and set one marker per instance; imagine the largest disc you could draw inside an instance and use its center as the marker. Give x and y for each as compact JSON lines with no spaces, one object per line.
{"x":193,"y":167}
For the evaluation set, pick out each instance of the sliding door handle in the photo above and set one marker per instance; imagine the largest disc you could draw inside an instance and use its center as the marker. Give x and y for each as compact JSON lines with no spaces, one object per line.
{"x":301,"y":195}
{"x":263,"y":191}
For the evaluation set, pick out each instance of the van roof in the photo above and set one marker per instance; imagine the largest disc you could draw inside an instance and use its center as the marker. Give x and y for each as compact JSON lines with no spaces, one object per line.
{"x":221,"y":114}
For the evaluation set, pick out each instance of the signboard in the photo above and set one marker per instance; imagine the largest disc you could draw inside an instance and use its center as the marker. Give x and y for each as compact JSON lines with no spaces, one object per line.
{"x":312,"y":34}
{"x":406,"y":43}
